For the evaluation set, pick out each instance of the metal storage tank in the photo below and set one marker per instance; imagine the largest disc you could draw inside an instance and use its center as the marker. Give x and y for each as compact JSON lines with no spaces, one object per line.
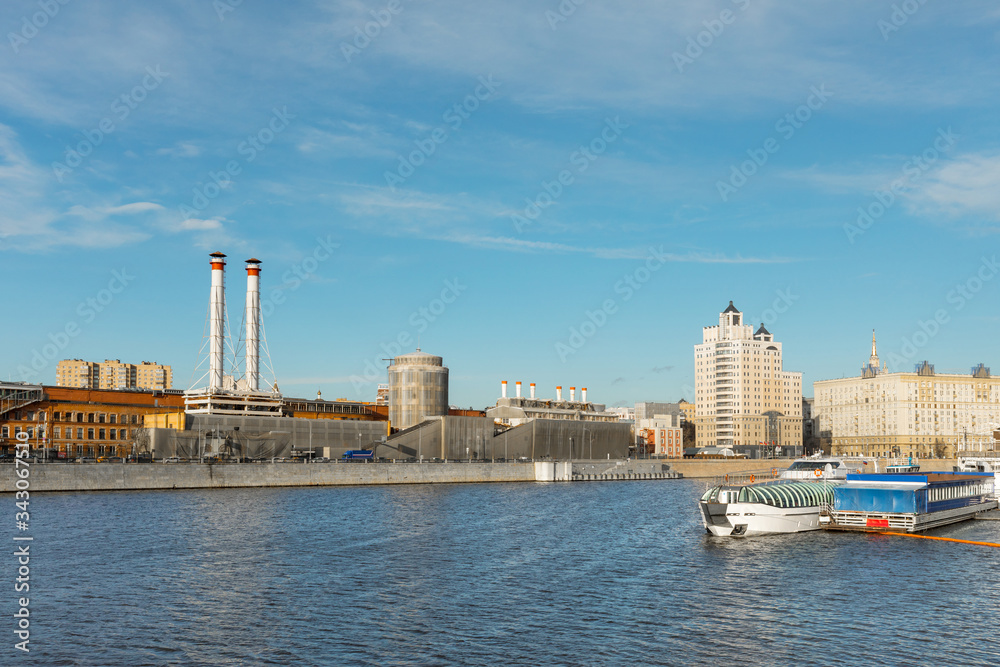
{"x":418,"y":388}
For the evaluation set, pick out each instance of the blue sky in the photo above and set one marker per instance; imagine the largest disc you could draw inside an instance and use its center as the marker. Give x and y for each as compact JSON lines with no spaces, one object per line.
{"x":523,"y":161}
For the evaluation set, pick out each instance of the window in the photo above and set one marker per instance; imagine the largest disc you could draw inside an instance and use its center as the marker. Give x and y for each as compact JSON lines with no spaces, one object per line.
{"x":90,"y":434}
{"x":112,"y":419}
{"x":121,"y":434}
{"x":57,"y":432}
{"x":90,"y":417}
{"x":100,"y":418}
{"x":79,"y":434}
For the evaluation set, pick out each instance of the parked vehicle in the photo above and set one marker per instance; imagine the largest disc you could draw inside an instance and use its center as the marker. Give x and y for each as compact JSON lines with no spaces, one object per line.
{"x":358,"y":455}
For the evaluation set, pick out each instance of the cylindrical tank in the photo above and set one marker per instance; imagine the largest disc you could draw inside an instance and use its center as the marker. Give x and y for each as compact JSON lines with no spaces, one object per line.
{"x":418,"y":388}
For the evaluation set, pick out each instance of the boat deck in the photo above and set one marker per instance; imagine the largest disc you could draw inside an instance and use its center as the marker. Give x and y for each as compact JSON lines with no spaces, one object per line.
{"x":878,"y":522}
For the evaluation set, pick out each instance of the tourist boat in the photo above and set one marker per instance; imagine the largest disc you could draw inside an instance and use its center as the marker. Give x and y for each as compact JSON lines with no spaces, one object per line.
{"x":768,"y":502}
{"x":908,"y":502}
{"x":979,"y":464}
{"x":902,"y":465}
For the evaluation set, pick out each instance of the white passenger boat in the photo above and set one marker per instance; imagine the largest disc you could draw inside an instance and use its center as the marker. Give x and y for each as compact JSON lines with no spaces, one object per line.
{"x":763,"y":503}
{"x":982,"y":462}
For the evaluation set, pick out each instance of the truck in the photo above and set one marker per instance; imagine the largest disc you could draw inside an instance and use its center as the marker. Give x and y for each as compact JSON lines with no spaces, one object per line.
{"x":358,"y":455}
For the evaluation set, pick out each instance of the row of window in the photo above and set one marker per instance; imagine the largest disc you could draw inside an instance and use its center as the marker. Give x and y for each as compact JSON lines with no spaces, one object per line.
{"x":102,"y":434}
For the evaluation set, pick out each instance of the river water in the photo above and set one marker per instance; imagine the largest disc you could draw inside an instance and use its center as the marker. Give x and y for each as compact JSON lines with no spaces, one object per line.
{"x":602,"y":573}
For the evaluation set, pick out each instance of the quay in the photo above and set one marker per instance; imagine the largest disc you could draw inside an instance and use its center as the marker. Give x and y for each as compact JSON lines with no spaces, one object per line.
{"x":152,"y":476}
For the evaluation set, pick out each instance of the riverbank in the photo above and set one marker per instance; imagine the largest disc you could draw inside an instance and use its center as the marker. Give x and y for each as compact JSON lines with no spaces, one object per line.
{"x":152,"y":476}
{"x":710,"y":468}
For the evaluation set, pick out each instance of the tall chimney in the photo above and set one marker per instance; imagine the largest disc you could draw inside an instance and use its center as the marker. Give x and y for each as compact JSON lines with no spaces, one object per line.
{"x":503,"y":389}
{"x":583,"y":395}
{"x":216,"y":320}
{"x":517,"y":387}
{"x":572,"y":394}
{"x":253,"y":325}
{"x":558,"y":393}
{"x":532,"y":386}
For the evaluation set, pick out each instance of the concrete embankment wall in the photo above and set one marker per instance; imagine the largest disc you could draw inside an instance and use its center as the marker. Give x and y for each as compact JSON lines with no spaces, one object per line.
{"x":696,"y":468}
{"x":111,"y":476}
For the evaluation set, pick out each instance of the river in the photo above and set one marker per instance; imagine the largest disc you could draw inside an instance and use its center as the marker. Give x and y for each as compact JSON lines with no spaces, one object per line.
{"x":601,"y":573}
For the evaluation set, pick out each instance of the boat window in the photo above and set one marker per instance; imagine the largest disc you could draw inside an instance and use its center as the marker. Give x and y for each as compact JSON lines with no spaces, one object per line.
{"x":809,"y":465}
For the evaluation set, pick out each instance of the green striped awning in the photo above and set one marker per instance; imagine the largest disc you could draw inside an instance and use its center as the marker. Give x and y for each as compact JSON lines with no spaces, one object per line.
{"x":790,"y":494}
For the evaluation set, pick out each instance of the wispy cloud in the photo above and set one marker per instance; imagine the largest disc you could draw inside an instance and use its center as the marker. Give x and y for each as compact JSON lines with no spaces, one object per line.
{"x":182,"y":149}
{"x":966,"y":186}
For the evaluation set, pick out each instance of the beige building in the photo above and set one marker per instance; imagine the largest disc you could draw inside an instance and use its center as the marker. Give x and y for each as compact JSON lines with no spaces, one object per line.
{"x":113,"y":374}
{"x":743,"y":397}
{"x":920,"y":413}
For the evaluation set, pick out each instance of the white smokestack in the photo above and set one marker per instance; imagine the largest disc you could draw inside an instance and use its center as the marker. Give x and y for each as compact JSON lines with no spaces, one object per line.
{"x":583,"y":395}
{"x":503,"y":389}
{"x":253,"y":325}
{"x":216,"y":320}
{"x":532,"y":386}
{"x":572,"y":394}
{"x":517,"y":387}
{"x":558,"y":393}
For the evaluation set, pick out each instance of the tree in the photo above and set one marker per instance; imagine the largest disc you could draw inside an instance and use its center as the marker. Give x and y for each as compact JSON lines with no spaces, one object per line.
{"x":688,"y":433}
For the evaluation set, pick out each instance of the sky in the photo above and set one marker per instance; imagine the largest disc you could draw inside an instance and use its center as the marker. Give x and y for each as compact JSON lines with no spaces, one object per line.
{"x":554,"y":192}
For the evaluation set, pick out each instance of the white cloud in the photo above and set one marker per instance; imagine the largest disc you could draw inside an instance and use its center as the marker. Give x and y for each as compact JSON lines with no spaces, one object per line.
{"x":966,"y":186}
{"x":182,"y":149}
{"x":199,"y":225}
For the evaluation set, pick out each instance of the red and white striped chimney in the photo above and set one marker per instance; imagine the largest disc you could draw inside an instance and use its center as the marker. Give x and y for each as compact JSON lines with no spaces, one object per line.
{"x":253,"y":325}
{"x":216,"y":320}
{"x":583,"y":395}
{"x":503,"y":389}
{"x":517,"y":388}
{"x":558,"y":393}
{"x":532,"y":388}
{"x":572,"y":394}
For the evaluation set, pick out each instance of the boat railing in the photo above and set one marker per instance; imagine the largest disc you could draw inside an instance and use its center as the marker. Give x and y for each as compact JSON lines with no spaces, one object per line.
{"x":744,"y":477}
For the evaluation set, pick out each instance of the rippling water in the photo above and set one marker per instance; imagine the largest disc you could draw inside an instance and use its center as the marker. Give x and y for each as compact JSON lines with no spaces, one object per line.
{"x":613,"y":573}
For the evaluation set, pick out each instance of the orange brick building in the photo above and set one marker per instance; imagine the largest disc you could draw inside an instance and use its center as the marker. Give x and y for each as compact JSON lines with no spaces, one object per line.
{"x":68,"y":422}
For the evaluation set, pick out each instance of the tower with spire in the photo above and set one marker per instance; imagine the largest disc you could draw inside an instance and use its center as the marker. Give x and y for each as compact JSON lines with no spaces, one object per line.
{"x":871,"y":369}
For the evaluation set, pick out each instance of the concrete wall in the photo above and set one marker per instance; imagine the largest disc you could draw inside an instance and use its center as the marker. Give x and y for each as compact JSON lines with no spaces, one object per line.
{"x":717,"y":467}
{"x":131,"y":476}
{"x":457,"y":438}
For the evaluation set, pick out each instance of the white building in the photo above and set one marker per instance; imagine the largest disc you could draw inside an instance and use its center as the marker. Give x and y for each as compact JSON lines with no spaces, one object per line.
{"x":662,"y":435}
{"x":919,"y":412}
{"x":744,"y":399}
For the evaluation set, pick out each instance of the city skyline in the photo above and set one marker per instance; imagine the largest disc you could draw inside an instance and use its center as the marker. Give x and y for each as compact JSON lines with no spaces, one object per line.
{"x":562,"y":194}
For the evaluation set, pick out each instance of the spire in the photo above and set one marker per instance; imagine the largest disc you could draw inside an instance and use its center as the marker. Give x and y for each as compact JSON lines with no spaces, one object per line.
{"x":873,"y":360}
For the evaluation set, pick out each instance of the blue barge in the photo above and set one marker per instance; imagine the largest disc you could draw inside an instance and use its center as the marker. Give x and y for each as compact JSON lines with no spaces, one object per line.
{"x":908,"y":502}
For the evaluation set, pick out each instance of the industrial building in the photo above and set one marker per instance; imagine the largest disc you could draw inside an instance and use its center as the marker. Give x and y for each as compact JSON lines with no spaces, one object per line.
{"x":481,"y":439}
{"x":263,"y":437}
{"x":236,"y":415}
{"x":69,"y":422}
{"x":518,"y":410}
{"x":418,"y":389}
